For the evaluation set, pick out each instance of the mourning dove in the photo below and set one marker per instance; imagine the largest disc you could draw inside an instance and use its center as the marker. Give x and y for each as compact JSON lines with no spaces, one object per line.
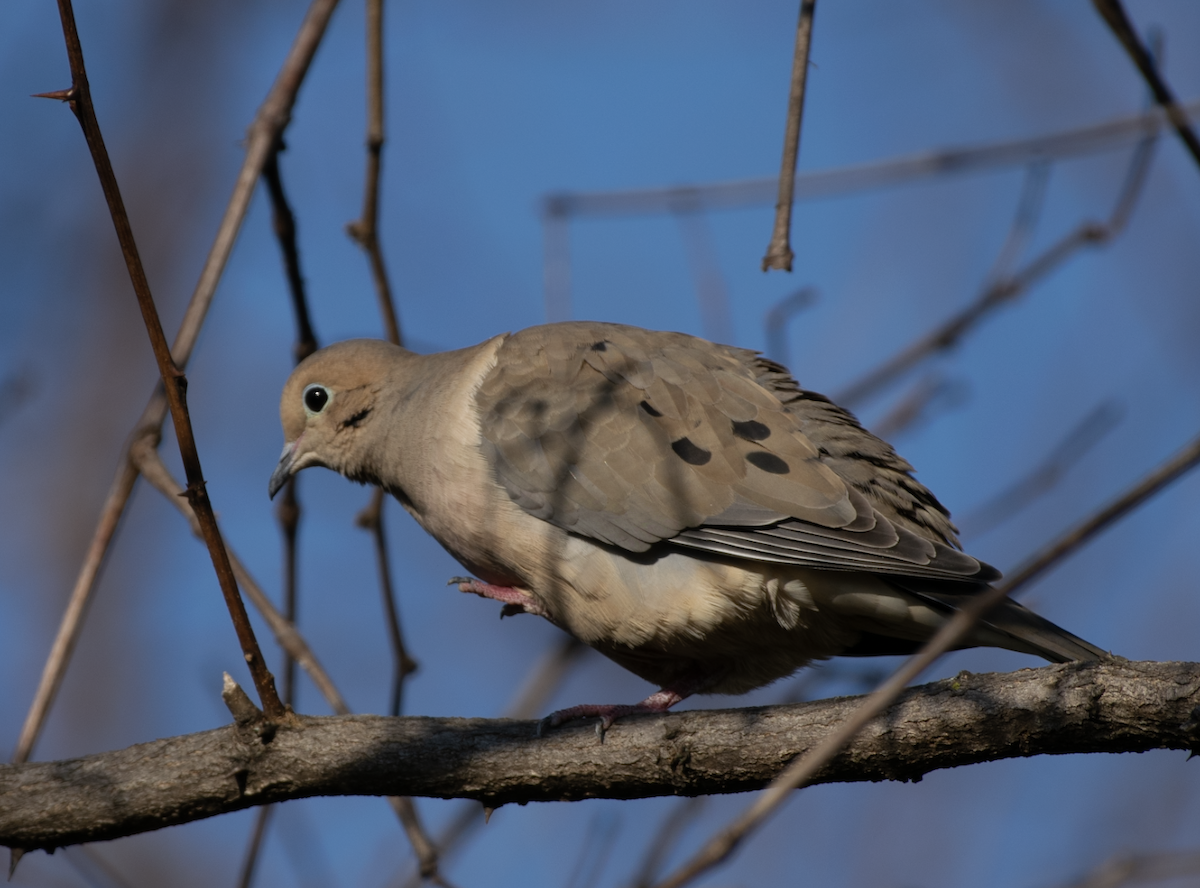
{"x":685,"y":508}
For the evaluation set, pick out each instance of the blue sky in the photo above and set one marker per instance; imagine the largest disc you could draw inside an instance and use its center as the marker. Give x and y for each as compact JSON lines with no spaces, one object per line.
{"x":490,"y":107}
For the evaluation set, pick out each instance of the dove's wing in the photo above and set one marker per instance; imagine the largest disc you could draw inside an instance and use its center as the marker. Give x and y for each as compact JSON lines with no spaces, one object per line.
{"x":633,"y":437}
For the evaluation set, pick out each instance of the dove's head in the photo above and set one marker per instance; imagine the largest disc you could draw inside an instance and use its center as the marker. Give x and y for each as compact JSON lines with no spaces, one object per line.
{"x":327,"y":408}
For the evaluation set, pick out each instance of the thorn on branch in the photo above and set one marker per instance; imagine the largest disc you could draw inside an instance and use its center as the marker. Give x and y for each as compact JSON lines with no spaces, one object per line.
{"x":245,"y":713}
{"x":63,"y":95}
{"x":14,"y":857}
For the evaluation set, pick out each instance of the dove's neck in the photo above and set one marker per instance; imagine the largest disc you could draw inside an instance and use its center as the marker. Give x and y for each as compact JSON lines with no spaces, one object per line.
{"x":432,"y":460}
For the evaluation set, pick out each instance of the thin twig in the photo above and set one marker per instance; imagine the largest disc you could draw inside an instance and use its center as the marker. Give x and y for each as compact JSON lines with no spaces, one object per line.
{"x":682,"y":814}
{"x":932,"y":390}
{"x":1127,"y":869}
{"x":272,"y":117}
{"x":250,"y":862}
{"x":1114,"y":14}
{"x":716,"y":320}
{"x":1029,"y":210}
{"x":1107,"y":136}
{"x":1086,"y":434}
{"x":371,"y":519}
{"x":777,"y":318}
{"x":953,"y":631}
{"x":149,"y":463}
{"x":594,"y":852}
{"x":366,"y":229}
{"x":288,"y":511}
{"x":173,"y":379}
{"x":556,"y":265}
{"x":283,"y":221}
{"x":93,"y":868}
{"x":291,"y":641}
{"x":15,"y":390}
{"x":1005,"y":290}
{"x":540,"y":684}
{"x":779,"y":253}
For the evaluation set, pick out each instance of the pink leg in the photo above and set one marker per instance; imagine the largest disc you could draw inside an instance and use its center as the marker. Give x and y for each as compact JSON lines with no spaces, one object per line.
{"x":659,"y":701}
{"x":692,"y":682}
{"x":515,"y":601}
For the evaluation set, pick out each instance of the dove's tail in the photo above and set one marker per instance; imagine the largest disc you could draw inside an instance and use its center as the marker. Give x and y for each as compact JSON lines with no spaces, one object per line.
{"x":1009,"y":625}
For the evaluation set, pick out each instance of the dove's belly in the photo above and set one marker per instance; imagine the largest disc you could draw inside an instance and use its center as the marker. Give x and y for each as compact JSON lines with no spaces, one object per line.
{"x":672,"y":613}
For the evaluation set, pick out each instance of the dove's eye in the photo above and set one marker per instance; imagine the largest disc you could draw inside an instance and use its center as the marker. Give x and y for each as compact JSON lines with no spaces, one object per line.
{"x":315,"y":398}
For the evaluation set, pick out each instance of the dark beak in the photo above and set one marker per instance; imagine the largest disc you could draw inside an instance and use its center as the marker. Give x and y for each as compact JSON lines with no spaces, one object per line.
{"x":283,"y":471}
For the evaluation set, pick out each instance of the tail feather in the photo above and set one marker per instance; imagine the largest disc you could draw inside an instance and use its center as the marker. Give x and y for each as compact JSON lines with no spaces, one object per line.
{"x":1014,"y":626}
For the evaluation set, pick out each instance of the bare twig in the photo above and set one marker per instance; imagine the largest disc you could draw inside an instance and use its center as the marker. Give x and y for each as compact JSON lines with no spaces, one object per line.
{"x":1128,"y":869}
{"x":716,"y":320}
{"x":72,"y":620}
{"x":283,"y":221}
{"x":678,"y":819}
{"x":250,"y":861}
{"x":1099,"y":422}
{"x":1106,"y":136}
{"x":288,"y":512}
{"x":272,"y":117}
{"x":1029,"y":209}
{"x":556,"y":267}
{"x":15,"y":390}
{"x":174,"y":382}
{"x":543,"y":679}
{"x":953,"y":631}
{"x":150,"y":464}
{"x":293,"y":643}
{"x":366,"y":229}
{"x":93,"y":868}
{"x":777,"y":318}
{"x":1114,"y":14}
{"x":1006,"y":289}
{"x":779,"y":252}
{"x":594,"y":853}
{"x":932,"y":391}
{"x":371,"y":519}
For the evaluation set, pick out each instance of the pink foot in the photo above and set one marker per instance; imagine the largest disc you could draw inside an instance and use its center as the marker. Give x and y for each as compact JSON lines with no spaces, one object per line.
{"x":660,"y":701}
{"x":515,"y":601}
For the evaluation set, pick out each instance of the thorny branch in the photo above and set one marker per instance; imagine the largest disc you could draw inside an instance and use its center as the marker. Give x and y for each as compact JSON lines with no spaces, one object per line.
{"x":289,"y":638}
{"x":954,"y":630}
{"x":779,"y":252}
{"x":272,"y":117}
{"x":174,"y":382}
{"x":148,"y":461}
{"x":1114,"y":706}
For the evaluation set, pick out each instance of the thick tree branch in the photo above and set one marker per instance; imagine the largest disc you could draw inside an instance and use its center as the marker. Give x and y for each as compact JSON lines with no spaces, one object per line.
{"x":1117,"y":706}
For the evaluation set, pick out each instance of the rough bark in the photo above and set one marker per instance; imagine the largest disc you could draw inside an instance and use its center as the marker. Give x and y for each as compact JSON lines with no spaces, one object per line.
{"x":1117,"y":706}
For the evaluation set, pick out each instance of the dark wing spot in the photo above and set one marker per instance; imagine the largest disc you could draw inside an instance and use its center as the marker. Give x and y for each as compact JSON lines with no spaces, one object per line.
{"x":600,"y":346}
{"x":353,"y":421}
{"x":753,"y":430}
{"x":768,"y":462}
{"x":646,"y":405}
{"x":690,"y":453}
